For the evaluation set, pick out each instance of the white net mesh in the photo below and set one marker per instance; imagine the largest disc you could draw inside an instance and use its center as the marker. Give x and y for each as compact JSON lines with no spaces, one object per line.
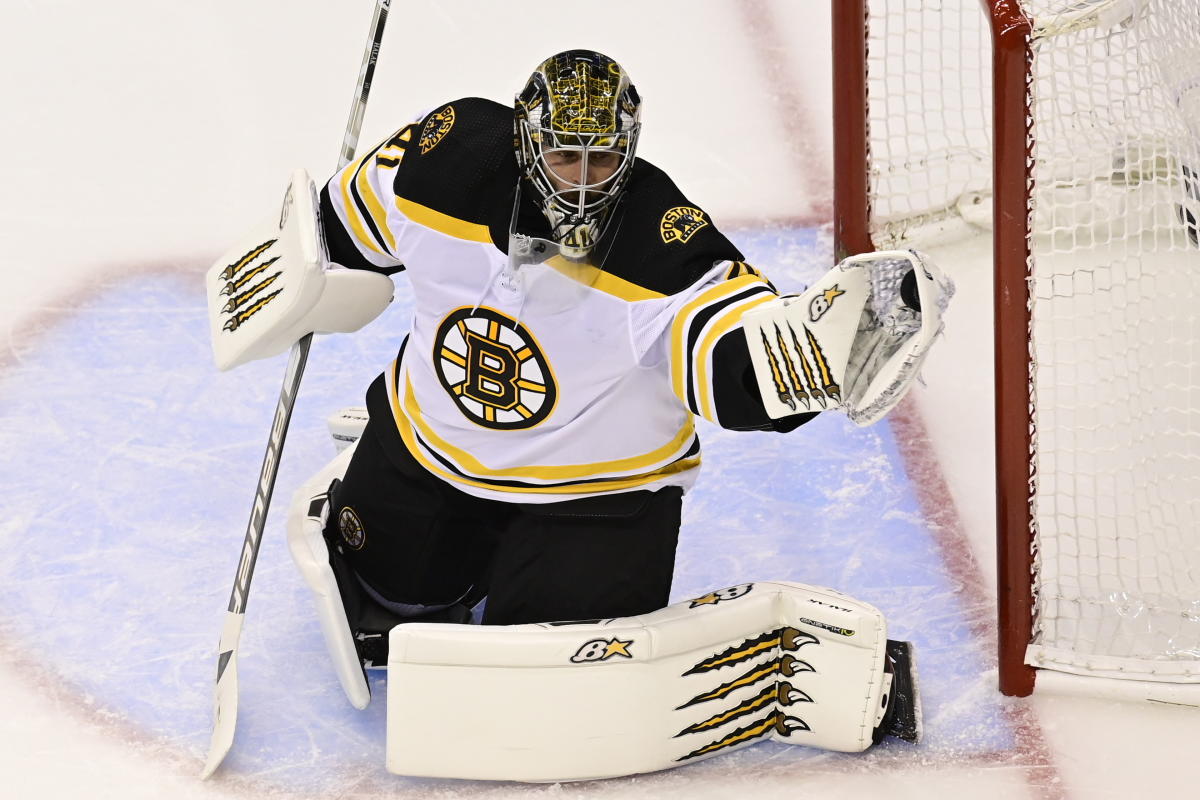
{"x":929,"y":115}
{"x":1115,"y":284}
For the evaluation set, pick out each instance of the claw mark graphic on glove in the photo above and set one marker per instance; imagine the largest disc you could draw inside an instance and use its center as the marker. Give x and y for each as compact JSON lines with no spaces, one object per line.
{"x":809,"y":378}
{"x":827,"y":382}
{"x":780,"y":388}
{"x":793,"y":378}
{"x":235,"y":322}
{"x":235,"y":279}
{"x":240,"y":300}
{"x":233,"y":285}
{"x":807,"y":383}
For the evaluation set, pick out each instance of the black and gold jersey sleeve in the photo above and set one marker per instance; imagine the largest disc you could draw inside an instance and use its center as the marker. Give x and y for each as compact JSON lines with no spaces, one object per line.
{"x":453,"y":167}
{"x":710,"y":362}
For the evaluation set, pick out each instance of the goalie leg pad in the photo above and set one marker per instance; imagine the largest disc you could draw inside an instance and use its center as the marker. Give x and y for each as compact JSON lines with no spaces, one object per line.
{"x":306,"y":542}
{"x":354,"y":622}
{"x":584,"y":700}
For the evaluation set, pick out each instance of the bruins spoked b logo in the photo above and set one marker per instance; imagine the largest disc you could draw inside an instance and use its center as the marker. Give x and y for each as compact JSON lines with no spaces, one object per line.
{"x":493,"y":369}
{"x":351,"y":528}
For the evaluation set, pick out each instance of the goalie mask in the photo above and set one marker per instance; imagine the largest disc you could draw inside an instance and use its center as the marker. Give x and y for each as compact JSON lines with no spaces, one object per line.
{"x":577,"y":122}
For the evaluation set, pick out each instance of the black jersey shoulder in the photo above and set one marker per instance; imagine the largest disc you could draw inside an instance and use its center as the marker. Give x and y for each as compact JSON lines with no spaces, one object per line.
{"x":660,"y":240}
{"x":459,"y":160}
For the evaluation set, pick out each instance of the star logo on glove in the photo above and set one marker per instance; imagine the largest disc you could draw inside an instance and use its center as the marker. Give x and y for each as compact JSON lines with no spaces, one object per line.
{"x":823,"y":302}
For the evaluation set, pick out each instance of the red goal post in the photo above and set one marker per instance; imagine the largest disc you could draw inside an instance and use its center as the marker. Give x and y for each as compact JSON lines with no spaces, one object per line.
{"x":1076,"y":162}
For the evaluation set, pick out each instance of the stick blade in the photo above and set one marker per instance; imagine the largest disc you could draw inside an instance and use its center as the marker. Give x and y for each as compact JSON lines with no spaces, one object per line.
{"x":225,"y":695}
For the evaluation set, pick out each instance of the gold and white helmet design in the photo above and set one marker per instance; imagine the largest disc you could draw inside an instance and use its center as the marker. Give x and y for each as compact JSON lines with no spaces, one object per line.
{"x":577,"y":123}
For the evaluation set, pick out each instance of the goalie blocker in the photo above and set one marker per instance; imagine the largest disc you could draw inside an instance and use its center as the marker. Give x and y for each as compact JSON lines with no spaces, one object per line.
{"x":854,"y":340}
{"x":276,"y":285}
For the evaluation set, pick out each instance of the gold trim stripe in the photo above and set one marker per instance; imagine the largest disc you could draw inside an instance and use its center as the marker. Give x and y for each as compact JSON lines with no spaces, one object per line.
{"x":374,"y":204}
{"x":405,"y":424}
{"x":350,"y":208}
{"x":721,"y":324}
{"x":682,"y":321}
{"x":411,"y":412}
{"x":602,"y":281}
{"x":679,"y":328}
{"x":444,"y":223}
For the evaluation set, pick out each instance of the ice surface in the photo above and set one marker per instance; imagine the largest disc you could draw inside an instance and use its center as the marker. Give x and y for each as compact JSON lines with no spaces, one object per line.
{"x":124,"y":560}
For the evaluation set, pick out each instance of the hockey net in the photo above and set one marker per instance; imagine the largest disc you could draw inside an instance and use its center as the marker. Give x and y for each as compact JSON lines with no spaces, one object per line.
{"x":1086,"y":180}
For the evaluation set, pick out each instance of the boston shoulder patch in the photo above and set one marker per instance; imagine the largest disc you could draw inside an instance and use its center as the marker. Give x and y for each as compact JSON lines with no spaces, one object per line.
{"x":681,"y":223}
{"x":436,"y":128}
{"x":493,"y":369}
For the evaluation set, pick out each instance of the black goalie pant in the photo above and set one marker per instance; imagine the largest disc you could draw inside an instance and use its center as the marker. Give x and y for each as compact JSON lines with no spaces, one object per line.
{"x":416,"y":540}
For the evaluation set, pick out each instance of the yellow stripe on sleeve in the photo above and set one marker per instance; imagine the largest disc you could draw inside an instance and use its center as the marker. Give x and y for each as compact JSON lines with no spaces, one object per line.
{"x":374,"y":206}
{"x":728,"y":320}
{"x":679,"y":328}
{"x":357,"y":225}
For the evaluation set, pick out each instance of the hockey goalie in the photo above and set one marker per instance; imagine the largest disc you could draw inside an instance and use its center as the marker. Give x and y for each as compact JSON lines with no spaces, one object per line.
{"x":523,"y":460}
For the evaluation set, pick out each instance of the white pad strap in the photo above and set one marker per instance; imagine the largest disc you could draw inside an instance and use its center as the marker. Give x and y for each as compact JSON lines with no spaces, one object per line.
{"x":576,"y":701}
{"x":275,"y":285}
{"x":849,"y":341}
{"x":306,"y":521}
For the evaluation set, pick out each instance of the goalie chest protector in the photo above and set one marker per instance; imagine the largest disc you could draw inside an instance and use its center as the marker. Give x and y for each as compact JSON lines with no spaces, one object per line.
{"x":538,"y":383}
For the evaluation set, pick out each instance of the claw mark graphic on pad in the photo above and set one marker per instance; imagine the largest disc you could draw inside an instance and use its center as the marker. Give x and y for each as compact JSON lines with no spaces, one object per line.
{"x":787,"y":665}
{"x":775,"y":722}
{"x":782,"y":693}
{"x":783,"y":638}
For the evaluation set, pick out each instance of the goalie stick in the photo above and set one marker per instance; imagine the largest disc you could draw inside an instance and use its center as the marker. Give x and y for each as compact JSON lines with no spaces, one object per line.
{"x":225,"y":699}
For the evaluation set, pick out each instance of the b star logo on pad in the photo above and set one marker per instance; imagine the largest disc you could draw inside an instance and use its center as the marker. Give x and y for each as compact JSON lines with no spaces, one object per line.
{"x":602,"y":650}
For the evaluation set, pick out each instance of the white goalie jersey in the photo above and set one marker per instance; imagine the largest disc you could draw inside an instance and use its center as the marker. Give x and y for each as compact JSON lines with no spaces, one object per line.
{"x":534,"y":379}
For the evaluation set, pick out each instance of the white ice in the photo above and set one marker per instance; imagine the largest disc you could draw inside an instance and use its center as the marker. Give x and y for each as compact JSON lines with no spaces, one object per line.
{"x":140,"y":137}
